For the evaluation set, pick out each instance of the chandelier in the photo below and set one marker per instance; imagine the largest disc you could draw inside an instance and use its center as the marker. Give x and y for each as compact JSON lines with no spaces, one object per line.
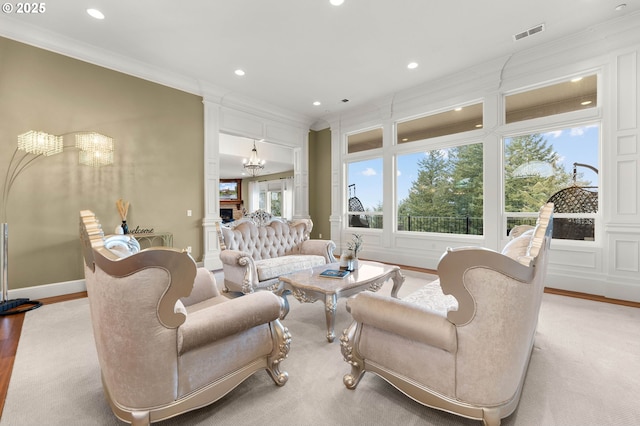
{"x":255,"y":165}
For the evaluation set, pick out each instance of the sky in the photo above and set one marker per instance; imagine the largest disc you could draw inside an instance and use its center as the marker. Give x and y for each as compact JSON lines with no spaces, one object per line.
{"x":574,"y":145}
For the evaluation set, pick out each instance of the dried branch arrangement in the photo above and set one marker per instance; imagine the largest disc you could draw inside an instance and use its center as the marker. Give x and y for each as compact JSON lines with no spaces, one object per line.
{"x":123,"y":208}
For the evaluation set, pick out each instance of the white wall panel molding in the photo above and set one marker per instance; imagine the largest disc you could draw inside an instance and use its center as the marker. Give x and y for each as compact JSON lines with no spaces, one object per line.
{"x":582,"y":283}
{"x":627,"y":255}
{"x":623,"y":280}
{"x":575,"y":260}
{"x":254,"y":126}
{"x":627,"y":91}
{"x":241,"y":124}
{"x":627,"y":145}
{"x":301,"y":181}
{"x":627,"y":188}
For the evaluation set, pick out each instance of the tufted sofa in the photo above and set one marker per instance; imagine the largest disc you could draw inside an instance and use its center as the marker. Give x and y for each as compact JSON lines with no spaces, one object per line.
{"x":462,"y":343}
{"x":259,"y":248}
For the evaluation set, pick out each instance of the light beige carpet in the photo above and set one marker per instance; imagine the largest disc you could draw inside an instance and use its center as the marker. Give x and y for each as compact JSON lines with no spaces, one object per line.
{"x":584,"y":370}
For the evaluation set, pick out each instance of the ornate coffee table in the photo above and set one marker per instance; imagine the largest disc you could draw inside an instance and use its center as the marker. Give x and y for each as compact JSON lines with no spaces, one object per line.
{"x":307,"y":286}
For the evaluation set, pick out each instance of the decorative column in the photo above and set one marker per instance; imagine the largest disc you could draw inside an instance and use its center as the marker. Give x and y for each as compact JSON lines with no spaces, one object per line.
{"x":211,"y":249}
{"x":338,"y":195}
{"x":301,"y":180}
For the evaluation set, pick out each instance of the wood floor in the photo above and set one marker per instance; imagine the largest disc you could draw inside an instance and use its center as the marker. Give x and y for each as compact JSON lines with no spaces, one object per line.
{"x":11,"y":327}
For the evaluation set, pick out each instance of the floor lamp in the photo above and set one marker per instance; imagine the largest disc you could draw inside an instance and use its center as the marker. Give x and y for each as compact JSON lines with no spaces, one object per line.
{"x":94,"y":150}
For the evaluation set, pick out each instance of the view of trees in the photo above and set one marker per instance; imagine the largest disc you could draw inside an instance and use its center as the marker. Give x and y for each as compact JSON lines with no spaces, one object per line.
{"x":533,"y":173}
{"x":447,"y":195}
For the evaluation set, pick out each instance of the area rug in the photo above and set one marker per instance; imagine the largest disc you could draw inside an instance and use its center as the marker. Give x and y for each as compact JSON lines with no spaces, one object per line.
{"x":584,"y":371}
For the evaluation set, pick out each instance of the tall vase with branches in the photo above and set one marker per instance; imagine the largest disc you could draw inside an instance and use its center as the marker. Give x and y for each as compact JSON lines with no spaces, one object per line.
{"x":123,"y":209}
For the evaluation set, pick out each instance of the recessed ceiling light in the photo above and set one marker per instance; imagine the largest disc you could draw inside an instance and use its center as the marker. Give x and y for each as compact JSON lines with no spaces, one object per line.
{"x":620,"y":7}
{"x":458,"y":109}
{"x":316,"y":103}
{"x":336,"y":2}
{"x":95,"y":13}
{"x":239,"y":72}
{"x":412,"y":65}
{"x":575,"y":80}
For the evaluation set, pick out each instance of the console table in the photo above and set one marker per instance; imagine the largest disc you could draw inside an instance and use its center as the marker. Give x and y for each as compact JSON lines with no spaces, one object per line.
{"x":156,"y":239}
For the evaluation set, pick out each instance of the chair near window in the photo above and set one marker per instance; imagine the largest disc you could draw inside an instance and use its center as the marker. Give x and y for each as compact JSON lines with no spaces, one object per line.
{"x":466,"y":355}
{"x":167,"y":341}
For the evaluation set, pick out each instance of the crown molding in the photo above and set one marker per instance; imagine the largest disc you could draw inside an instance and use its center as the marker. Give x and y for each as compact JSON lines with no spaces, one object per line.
{"x":474,"y":81}
{"x":54,"y":42}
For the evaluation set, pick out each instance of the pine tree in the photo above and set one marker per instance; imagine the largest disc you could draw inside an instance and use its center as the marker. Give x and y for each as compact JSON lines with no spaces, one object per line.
{"x":429,"y":195}
{"x":467,"y":178}
{"x":532,"y":173}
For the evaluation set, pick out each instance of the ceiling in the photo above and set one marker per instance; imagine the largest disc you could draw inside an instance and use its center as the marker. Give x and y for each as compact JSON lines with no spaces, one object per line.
{"x":295,"y":52}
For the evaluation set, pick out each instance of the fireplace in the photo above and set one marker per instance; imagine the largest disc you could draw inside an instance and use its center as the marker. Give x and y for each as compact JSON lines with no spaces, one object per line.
{"x":226,"y":215}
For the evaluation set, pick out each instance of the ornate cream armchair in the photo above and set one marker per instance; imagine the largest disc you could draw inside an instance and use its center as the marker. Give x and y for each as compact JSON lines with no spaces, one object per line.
{"x":259,"y":248}
{"x":167,"y":341}
{"x":471,"y":360}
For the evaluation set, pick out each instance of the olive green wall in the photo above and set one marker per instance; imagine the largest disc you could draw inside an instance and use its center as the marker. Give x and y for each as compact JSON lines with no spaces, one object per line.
{"x":320,"y":182}
{"x":158,"y":165}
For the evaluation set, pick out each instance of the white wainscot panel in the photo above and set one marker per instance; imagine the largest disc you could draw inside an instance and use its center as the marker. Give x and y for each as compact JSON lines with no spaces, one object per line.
{"x":241,"y":124}
{"x":627,"y":192}
{"x":627,"y":257}
{"x":290,"y":136}
{"x":563,"y":258}
{"x":422,"y":243}
{"x":422,"y":251}
{"x":576,"y":269}
{"x":627,"y":145}
{"x":627,"y":91}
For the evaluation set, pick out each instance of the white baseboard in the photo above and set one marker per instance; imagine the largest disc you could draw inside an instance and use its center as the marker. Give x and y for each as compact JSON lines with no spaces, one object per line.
{"x":48,"y":290}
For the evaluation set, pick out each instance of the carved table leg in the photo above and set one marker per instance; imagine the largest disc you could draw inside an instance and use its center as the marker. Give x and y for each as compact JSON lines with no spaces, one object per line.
{"x":330,"y":304}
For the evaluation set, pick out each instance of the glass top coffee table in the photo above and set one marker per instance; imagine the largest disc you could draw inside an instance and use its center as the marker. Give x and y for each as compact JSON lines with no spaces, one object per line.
{"x":307,"y":286}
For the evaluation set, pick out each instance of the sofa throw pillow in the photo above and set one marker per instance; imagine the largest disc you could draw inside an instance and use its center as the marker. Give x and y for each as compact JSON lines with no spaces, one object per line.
{"x":517,"y":248}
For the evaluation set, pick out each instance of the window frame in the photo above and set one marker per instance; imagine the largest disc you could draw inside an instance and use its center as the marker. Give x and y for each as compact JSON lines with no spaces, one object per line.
{"x":545,"y":124}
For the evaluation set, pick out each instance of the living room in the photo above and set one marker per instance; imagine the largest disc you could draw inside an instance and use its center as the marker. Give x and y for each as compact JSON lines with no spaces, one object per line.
{"x":167,"y":131}
{"x":159,"y":134}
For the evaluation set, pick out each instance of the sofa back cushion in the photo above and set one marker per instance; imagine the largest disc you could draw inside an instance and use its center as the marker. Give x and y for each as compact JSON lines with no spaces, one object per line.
{"x":526,"y":247}
{"x":275,"y":239}
{"x":517,"y":248}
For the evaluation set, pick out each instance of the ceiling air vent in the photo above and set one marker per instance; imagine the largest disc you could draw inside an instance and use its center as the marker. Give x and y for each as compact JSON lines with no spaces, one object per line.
{"x":529,"y":32}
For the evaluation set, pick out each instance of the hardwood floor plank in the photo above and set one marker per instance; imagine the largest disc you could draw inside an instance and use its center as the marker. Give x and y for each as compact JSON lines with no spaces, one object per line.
{"x":10,"y":329}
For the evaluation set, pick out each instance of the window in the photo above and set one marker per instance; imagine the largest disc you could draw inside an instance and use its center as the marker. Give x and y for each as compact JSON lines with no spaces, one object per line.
{"x":457,"y":120}
{"x":559,"y":166}
{"x":364,"y":202}
{"x":271,"y":201}
{"x":441,"y":190}
{"x":364,"y":141}
{"x":274,"y":196}
{"x":573,"y":95}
